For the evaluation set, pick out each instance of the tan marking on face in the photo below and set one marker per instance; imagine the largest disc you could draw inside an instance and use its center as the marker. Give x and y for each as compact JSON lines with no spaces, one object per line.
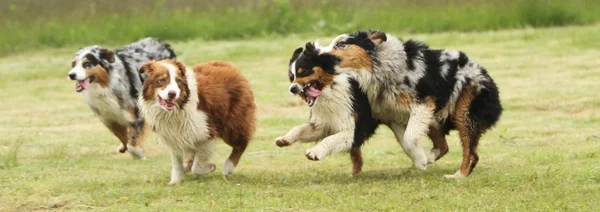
{"x":354,"y":57}
{"x":100,"y":75}
{"x":325,"y":79}
{"x":300,"y":70}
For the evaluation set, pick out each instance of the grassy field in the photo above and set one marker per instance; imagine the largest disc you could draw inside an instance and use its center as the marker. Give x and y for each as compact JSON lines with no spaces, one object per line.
{"x":30,"y":24}
{"x":544,"y":155}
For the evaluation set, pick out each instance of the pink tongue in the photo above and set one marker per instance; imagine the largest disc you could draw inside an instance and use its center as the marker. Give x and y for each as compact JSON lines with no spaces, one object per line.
{"x":313,"y":92}
{"x":85,"y":84}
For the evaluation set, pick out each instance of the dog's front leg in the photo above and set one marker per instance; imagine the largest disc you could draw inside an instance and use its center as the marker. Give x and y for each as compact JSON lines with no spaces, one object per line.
{"x":304,"y":133}
{"x":421,"y":117}
{"x":178,"y":170}
{"x":339,"y":142}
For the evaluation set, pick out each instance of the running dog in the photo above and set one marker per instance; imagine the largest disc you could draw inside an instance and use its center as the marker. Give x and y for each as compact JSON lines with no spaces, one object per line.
{"x":110,"y":84}
{"x":189,"y":108}
{"x":340,"y":114}
{"x":417,"y":91}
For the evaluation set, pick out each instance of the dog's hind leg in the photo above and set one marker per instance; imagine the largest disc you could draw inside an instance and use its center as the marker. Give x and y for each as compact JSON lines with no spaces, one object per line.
{"x":468,"y":136}
{"x":339,"y":142}
{"x":121,"y":131}
{"x":357,"y":160}
{"x":440,"y":145}
{"x":134,"y":147}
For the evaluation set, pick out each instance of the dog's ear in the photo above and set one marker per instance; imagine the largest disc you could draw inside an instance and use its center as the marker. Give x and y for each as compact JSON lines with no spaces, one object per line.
{"x":328,"y":62}
{"x":107,"y":55}
{"x":146,"y":69}
{"x":296,"y":54}
{"x":180,"y":66}
{"x":310,"y":49}
{"x":377,"y":36}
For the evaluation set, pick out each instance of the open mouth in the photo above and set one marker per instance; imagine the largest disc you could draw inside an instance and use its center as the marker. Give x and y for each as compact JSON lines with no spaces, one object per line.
{"x":84,"y":84}
{"x":167,"y":104}
{"x":312,"y":93}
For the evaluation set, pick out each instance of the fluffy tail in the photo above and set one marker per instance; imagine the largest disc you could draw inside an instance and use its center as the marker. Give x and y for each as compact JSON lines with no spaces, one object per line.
{"x":153,"y":48}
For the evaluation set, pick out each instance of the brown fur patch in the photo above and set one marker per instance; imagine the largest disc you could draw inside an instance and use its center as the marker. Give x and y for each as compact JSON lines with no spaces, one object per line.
{"x":226,"y":97}
{"x":357,"y":160}
{"x":325,"y":79}
{"x":100,"y":75}
{"x":405,"y":99}
{"x":121,"y":132}
{"x":463,"y":125}
{"x":354,"y":57}
{"x":300,"y":70}
{"x":439,"y":141}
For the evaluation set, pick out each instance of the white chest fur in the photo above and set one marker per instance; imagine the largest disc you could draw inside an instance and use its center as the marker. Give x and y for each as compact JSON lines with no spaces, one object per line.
{"x":333,"y":108}
{"x":106,"y":105}
{"x":182,"y":129}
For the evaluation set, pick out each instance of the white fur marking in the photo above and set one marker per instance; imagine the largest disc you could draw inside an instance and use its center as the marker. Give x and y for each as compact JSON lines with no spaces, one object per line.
{"x":164,"y":94}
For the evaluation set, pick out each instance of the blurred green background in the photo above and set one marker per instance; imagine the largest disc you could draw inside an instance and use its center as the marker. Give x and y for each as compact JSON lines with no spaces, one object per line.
{"x":28,"y":24}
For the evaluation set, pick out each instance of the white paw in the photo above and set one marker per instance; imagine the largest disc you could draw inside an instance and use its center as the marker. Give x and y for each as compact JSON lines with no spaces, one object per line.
{"x":420,"y":159}
{"x":313,"y":154}
{"x":456,"y":175}
{"x":228,"y":167}
{"x":176,"y":177}
{"x":136,"y":153}
{"x":201,"y":169}
{"x":432,"y":155}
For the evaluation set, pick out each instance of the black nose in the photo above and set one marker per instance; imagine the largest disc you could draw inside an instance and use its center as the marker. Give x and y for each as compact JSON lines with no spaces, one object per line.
{"x":295,"y":89}
{"x":72,"y":76}
{"x":172,"y":95}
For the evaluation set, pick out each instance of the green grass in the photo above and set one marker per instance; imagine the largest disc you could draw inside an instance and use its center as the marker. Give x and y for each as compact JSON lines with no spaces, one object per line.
{"x":542,"y":156}
{"x":28,"y":25}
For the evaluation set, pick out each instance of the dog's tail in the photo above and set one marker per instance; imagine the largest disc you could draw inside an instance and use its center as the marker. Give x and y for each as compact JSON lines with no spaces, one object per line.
{"x":486,"y":108}
{"x":153,"y":48}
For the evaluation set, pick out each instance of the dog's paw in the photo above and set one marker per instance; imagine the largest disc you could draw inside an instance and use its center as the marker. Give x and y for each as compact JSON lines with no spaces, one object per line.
{"x":432,"y":155}
{"x":136,"y":152}
{"x":228,"y":167}
{"x":456,"y":175}
{"x":420,"y":159}
{"x":203,"y":169}
{"x":122,"y":148}
{"x":176,"y":177}
{"x":281,"y":142}
{"x":313,"y":154}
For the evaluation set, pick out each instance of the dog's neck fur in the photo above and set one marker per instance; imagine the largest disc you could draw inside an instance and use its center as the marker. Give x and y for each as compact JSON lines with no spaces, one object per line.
{"x":390,"y":70}
{"x":334,"y":106}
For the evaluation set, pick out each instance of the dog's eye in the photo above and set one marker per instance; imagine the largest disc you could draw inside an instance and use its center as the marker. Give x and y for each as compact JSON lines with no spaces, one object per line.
{"x":86,"y":64}
{"x":340,"y":45}
{"x":73,"y":64}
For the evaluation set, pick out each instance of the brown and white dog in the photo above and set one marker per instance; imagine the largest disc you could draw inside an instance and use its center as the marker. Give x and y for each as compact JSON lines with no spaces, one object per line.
{"x":417,"y":91}
{"x":110,"y":83}
{"x":189,"y":108}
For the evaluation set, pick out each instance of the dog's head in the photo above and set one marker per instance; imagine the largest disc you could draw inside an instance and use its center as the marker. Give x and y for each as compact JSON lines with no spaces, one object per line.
{"x":310,"y":72}
{"x":91,"y":65}
{"x":354,"y":50}
{"x":165,"y":84}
